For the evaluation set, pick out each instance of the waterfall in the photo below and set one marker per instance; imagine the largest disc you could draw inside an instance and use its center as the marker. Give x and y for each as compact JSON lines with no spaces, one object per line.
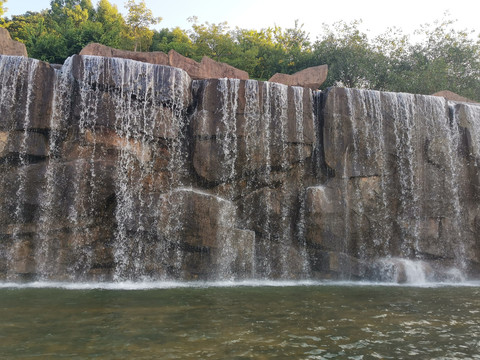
{"x":405,"y":129}
{"x":47,"y":255}
{"x":406,"y":207}
{"x":120,"y":170}
{"x":18,"y":74}
{"x":141,"y":121}
{"x":300,"y":159}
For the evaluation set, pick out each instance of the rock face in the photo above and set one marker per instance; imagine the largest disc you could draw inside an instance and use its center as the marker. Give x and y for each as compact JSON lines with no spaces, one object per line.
{"x":311,"y":77}
{"x":206,"y":69}
{"x":9,"y":46}
{"x":405,"y":176}
{"x":114,"y":169}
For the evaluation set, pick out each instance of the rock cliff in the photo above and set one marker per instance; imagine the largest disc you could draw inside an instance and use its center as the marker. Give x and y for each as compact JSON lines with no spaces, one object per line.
{"x":125,"y":170}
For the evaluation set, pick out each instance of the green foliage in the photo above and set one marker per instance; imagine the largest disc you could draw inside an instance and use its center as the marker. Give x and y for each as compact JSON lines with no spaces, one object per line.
{"x":139,"y":19}
{"x":174,"y":39}
{"x":212,"y":40}
{"x":348,"y":54}
{"x":445,"y":59}
{"x":2,"y":7}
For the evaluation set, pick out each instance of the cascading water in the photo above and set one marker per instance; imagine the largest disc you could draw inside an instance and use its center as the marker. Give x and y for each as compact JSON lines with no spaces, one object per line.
{"x":404,"y":129}
{"x":121,"y":170}
{"x":14,"y":71}
{"x":46,"y":253}
{"x":420,"y":193}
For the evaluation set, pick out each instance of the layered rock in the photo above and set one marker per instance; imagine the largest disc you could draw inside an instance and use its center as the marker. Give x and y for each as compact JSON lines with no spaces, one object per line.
{"x":9,"y":46}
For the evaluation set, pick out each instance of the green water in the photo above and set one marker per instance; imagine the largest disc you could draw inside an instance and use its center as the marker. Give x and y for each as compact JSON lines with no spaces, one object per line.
{"x":314,"y":321}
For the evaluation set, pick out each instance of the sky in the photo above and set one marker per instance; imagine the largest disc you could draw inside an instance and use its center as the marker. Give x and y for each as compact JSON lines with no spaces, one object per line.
{"x":376,"y":15}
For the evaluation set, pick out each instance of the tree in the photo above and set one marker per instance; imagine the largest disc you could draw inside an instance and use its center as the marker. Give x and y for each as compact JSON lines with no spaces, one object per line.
{"x":71,"y":22}
{"x":2,"y":8}
{"x":139,"y":19}
{"x":212,"y":40}
{"x":113,"y":24}
{"x":447,"y":59}
{"x":349,"y":55}
{"x":37,"y":31}
{"x":176,"y":39}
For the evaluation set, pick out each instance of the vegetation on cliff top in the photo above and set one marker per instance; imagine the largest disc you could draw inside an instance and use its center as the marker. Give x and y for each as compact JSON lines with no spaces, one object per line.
{"x":445,"y":58}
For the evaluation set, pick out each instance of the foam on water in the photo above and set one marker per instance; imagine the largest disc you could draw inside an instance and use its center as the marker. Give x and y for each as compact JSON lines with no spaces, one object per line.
{"x":159,"y":285}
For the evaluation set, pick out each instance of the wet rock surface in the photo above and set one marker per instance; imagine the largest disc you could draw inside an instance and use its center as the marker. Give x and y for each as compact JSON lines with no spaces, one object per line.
{"x":114,"y":169}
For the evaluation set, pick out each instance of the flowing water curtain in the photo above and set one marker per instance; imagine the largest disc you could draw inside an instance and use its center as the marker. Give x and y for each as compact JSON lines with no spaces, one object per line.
{"x":52,"y":224}
{"x":227,"y":133}
{"x":405,"y":130}
{"x":150,"y":111}
{"x":467,"y":118}
{"x":365,"y":176}
{"x":302,"y":141}
{"x":17,"y":79}
{"x":272,"y":144}
{"x":81,"y":212}
{"x":253,"y":138}
{"x":443,"y":166}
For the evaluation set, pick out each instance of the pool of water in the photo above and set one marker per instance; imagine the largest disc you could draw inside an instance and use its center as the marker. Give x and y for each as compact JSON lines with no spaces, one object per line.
{"x":260,"y":320}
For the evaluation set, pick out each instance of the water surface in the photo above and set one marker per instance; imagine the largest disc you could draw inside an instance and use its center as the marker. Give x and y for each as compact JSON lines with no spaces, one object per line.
{"x":250,"y":321}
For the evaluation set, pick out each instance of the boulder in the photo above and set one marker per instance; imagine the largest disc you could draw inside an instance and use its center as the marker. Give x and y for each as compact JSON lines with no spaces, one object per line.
{"x":166,"y":90}
{"x":206,"y":69}
{"x":9,"y":46}
{"x":449,"y":95}
{"x":311,"y":77}
{"x":156,"y":57}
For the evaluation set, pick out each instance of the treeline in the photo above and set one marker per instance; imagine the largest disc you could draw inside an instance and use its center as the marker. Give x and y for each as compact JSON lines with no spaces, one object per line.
{"x":444,"y":59}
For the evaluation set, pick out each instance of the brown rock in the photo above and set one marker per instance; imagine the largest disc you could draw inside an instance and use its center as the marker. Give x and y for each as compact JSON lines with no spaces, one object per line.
{"x":9,"y":46}
{"x":311,"y":77}
{"x":325,"y":223}
{"x":206,"y":69}
{"x":203,"y":223}
{"x":449,"y":95}
{"x":189,"y":65}
{"x":31,"y":83}
{"x":213,"y":69}
{"x":156,"y":57}
{"x":3,"y":142}
{"x":284,"y":131}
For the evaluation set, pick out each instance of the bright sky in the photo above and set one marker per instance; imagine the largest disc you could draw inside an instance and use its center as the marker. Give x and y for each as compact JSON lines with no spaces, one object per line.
{"x":377,"y":15}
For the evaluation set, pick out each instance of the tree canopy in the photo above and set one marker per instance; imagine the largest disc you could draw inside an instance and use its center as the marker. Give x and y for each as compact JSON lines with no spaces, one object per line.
{"x":444,"y":58}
